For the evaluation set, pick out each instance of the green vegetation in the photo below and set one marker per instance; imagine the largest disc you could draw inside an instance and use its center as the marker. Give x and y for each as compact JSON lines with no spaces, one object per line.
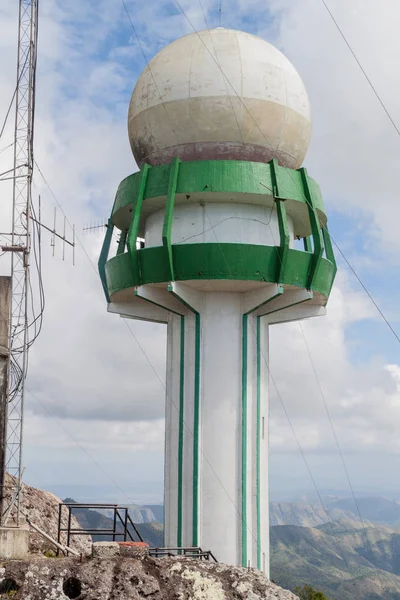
{"x":340,"y":558}
{"x":8,"y":588}
{"x":308,"y":593}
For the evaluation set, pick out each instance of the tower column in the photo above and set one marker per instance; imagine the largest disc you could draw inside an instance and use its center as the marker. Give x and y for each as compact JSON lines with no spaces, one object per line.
{"x":216,"y":476}
{"x":258,"y":443}
{"x":182,"y":391}
{"x":219,"y":514}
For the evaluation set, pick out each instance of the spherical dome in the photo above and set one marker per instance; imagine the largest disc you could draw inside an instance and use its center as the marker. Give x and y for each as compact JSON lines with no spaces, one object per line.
{"x":219,"y":94}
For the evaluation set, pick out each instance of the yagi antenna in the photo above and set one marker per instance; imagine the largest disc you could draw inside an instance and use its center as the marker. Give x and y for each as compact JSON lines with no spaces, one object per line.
{"x":90,"y":227}
{"x":55,"y":234}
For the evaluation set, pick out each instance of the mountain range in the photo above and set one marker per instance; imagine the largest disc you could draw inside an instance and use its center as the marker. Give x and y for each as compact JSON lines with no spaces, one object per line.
{"x":373,"y":509}
{"x":342,"y":559}
{"x":305,"y":513}
{"x":328,"y":547}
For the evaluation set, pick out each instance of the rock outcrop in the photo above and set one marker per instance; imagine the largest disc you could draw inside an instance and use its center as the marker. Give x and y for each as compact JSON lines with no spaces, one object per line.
{"x":123,"y":578}
{"x":42,"y":509}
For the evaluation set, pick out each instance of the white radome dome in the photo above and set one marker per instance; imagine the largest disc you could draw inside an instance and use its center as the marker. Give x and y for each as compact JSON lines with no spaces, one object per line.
{"x":219,"y":94}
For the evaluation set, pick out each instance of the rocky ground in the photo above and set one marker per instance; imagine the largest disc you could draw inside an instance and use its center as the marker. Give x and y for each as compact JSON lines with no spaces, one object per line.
{"x":121,"y":577}
{"x":42,"y":509}
{"x":128,"y":578}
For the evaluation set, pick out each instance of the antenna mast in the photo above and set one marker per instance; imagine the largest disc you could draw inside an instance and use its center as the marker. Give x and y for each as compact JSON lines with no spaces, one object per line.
{"x":20,"y":238}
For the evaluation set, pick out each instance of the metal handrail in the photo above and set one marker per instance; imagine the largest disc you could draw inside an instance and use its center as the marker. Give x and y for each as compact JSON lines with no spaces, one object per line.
{"x":122,"y":517}
{"x":119,"y":518}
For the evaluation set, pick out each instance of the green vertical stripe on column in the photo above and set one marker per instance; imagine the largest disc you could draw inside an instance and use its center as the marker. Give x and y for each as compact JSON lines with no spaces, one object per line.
{"x":134,"y":226}
{"x":138,"y":294}
{"x":279,"y":292}
{"x":181,"y":429}
{"x":310,"y":295}
{"x":258,"y":444}
{"x":196,"y":418}
{"x":196,"y":432}
{"x":244,"y":440}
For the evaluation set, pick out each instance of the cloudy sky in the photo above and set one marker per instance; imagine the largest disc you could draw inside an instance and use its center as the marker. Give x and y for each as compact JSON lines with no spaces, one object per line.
{"x":94,"y":406}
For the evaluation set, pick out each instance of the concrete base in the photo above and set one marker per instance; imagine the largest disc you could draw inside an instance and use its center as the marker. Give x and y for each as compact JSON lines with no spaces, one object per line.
{"x":14,"y":542}
{"x":134,"y":549}
{"x":105,"y":549}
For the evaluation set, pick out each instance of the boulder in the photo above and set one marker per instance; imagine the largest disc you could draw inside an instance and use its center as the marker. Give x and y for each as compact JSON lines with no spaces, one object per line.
{"x":42,"y":509}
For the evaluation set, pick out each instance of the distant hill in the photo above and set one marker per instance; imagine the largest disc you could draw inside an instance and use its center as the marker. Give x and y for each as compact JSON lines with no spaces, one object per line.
{"x":375,"y":509}
{"x":341,"y":559}
{"x":157,"y":511}
{"x":141,"y":514}
{"x":307,"y":515}
{"x":152,"y":533}
{"x":338,"y":557}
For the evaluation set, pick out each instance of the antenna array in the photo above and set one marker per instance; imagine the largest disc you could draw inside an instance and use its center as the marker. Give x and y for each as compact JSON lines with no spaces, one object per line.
{"x":20,"y":238}
{"x":18,"y":245}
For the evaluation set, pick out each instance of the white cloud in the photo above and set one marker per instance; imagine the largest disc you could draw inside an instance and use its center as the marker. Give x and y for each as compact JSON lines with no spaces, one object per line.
{"x":354,"y":146}
{"x":363,"y":399}
{"x":86,"y":368}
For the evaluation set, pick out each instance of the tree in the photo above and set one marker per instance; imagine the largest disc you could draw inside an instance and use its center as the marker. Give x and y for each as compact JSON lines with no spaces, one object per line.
{"x":308,"y":593}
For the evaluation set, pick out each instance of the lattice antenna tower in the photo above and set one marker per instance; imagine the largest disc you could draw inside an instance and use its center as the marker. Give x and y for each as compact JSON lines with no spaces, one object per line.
{"x":20,"y":239}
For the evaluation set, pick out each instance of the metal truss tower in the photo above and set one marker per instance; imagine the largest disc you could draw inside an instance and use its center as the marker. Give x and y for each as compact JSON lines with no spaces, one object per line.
{"x":20,"y":239}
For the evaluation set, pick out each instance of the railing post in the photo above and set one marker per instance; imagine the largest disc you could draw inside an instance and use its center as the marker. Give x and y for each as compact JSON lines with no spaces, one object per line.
{"x":115,"y":523}
{"x":69,"y":526}
{"x":105,"y":250}
{"x":315,"y":229}
{"x":307,"y":244}
{"x":122,"y":242}
{"x":135,"y":223}
{"x":284,"y":234}
{"x":169,"y":214}
{"x":126,"y":525}
{"x":59,"y":528}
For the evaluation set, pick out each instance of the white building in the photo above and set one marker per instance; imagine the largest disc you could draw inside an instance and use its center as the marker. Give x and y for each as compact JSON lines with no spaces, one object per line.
{"x":219,"y":123}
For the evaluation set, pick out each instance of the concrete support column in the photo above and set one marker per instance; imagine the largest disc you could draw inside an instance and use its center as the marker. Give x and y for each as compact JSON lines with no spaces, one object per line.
{"x":221,"y":432}
{"x":216,"y":467}
{"x":179,"y":439}
{"x":256,"y":477}
{"x":172,"y":426}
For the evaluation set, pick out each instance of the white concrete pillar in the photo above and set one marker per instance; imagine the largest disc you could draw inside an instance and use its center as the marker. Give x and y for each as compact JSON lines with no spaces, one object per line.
{"x":221,"y":416}
{"x":179,"y":438}
{"x":226,"y":470}
{"x":172,"y":423}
